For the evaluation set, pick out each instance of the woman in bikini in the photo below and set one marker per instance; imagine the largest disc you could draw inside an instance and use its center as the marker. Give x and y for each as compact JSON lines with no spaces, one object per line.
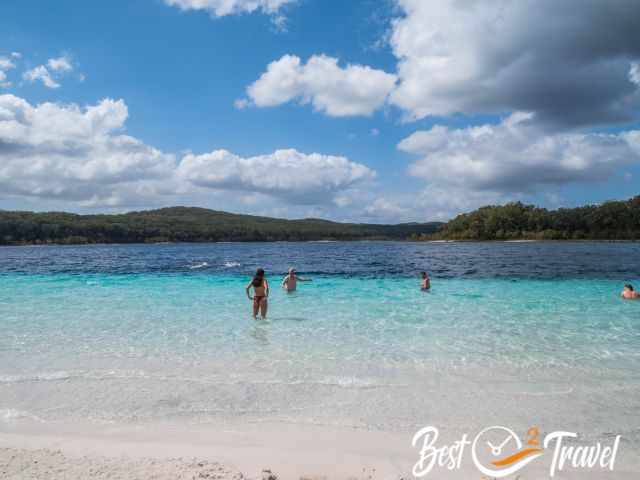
{"x":260,"y":293}
{"x":425,"y":283}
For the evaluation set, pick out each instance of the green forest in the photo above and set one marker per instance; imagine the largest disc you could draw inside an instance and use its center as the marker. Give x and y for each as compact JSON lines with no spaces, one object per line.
{"x":614,"y":220}
{"x":183,"y":224}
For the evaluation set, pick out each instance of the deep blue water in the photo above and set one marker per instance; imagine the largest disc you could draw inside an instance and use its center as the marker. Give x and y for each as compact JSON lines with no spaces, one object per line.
{"x":534,"y":260}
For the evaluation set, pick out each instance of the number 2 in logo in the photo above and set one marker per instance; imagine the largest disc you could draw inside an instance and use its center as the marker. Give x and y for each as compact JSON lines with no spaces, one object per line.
{"x":534,"y":436}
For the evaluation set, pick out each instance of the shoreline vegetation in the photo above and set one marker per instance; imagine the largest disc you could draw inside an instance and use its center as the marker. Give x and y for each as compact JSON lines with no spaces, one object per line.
{"x":610,"y":221}
{"x":613,"y":220}
{"x":187,"y":224}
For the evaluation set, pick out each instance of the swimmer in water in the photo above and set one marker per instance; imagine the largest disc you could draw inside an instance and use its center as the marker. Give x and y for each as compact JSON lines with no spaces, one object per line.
{"x":628,"y":293}
{"x":260,"y":294}
{"x":425,"y":283}
{"x":290,"y":282}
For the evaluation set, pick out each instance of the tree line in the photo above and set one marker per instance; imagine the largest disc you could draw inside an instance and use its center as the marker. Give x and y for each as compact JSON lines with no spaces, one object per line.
{"x":185,"y":224}
{"x":614,"y":220}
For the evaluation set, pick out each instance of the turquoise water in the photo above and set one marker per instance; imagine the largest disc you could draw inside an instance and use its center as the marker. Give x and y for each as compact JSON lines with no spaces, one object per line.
{"x":355,"y":350}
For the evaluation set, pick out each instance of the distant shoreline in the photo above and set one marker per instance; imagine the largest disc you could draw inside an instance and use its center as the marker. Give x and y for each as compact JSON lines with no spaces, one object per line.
{"x":614,"y":221}
{"x":358,"y":240}
{"x":188,"y":225}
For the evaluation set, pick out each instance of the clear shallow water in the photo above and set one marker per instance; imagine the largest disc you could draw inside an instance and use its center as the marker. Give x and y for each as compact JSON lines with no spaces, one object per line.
{"x":512,"y":333}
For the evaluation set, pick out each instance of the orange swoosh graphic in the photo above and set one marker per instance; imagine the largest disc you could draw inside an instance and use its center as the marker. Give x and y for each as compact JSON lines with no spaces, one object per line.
{"x":516,"y":456}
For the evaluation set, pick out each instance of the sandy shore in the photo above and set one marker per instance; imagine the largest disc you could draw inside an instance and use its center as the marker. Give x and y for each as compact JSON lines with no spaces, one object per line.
{"x":265,"y":451}
{"x":53,"y":464}
{"x":178,"y":451}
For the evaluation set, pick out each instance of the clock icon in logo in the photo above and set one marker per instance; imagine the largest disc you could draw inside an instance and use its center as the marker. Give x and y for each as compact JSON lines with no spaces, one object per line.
{"x":498,"y":451}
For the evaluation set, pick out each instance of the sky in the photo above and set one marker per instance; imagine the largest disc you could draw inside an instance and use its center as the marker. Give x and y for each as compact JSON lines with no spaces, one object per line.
{"x":370,"y":111}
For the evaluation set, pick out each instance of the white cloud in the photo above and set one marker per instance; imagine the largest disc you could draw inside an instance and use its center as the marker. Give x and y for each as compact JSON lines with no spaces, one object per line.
{"x":60,"y":64}
{"x":386,"y":208}
{"x":50,"y":73}
{"x":16,"y":55}
{"x":581,"y":69}
{"x":81,"y":155}
{"x":279,"y":23}
{"x":221,"y":8}
{"x":375,"y":132}
{"x":517,"y":155}
{"x":3,"y":80}
{"x":331,"y":89}
{"x":6,"y":64}
{"x":288,"y":174}
{"x":62,"y":151}
{"x":432,"y":202}
{"x":634,"y":72}
{"x":483,"y":57}
{"x":40,"y":73}
{"x":241,"y":103}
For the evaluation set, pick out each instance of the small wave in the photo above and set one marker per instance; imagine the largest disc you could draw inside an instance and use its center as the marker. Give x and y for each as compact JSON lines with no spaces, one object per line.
{"x":37,"y":377}
{"x":198,"y":265}
{"x":550,"y":393}
{"x":231,"y":264}
{"x":355,"y":382}
{"x":67,"y":375}
{"x":11,"y":414}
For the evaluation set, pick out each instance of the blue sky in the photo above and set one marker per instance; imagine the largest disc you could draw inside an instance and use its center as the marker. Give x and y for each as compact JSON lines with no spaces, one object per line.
{"x":381,"y":111}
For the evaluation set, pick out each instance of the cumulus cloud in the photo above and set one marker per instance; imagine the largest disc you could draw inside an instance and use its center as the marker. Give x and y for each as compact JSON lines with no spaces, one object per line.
{"x":60,"y":64}
{"x":385,"y":208}
{"x":634,"y":73}
{"x":567,"y":61}
{"x":517,"y":155}
{"x":331,"y":89}
{"x":81,"y":155}
{"x":6,"y":64}
{"x":221,"y":8}
{"x":40,"y":73}
{"x":289,"y":174}
{"x":50,"y":73}
{"x":432,"y":202}
{"x":59,"y":151}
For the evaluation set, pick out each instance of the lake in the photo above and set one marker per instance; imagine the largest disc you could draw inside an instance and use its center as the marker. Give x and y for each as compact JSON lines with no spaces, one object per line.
{"x":513,"y":333}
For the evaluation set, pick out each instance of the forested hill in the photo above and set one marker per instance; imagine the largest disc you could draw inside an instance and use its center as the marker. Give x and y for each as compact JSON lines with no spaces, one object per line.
{"x":616,"y":220}
{"x":184,"y":224}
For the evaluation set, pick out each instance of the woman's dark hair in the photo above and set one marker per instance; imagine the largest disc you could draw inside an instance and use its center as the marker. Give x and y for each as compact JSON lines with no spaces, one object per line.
{"x":629,"y":286}
{"x":423,"y":274}
{"x":258,"y":278}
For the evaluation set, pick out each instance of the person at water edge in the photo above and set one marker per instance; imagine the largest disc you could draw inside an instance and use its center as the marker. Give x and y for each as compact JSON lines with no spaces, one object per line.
{"x":628,"y":293}
{"x":425,"y":284}
{"x":290,"y":281}
{"x":260,"y":293}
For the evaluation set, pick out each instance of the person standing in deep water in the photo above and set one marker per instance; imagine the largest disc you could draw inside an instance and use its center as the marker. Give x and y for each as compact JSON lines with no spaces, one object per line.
{"x":628,"y":293}
{"x":290,"y":281}
{"x":425,"y":283}
{"x":260,"y":293}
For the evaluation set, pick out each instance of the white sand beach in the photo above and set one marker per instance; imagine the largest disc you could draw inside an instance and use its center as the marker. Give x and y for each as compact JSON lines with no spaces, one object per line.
{"x":172,"y":451}
{"x":266,"y":451}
